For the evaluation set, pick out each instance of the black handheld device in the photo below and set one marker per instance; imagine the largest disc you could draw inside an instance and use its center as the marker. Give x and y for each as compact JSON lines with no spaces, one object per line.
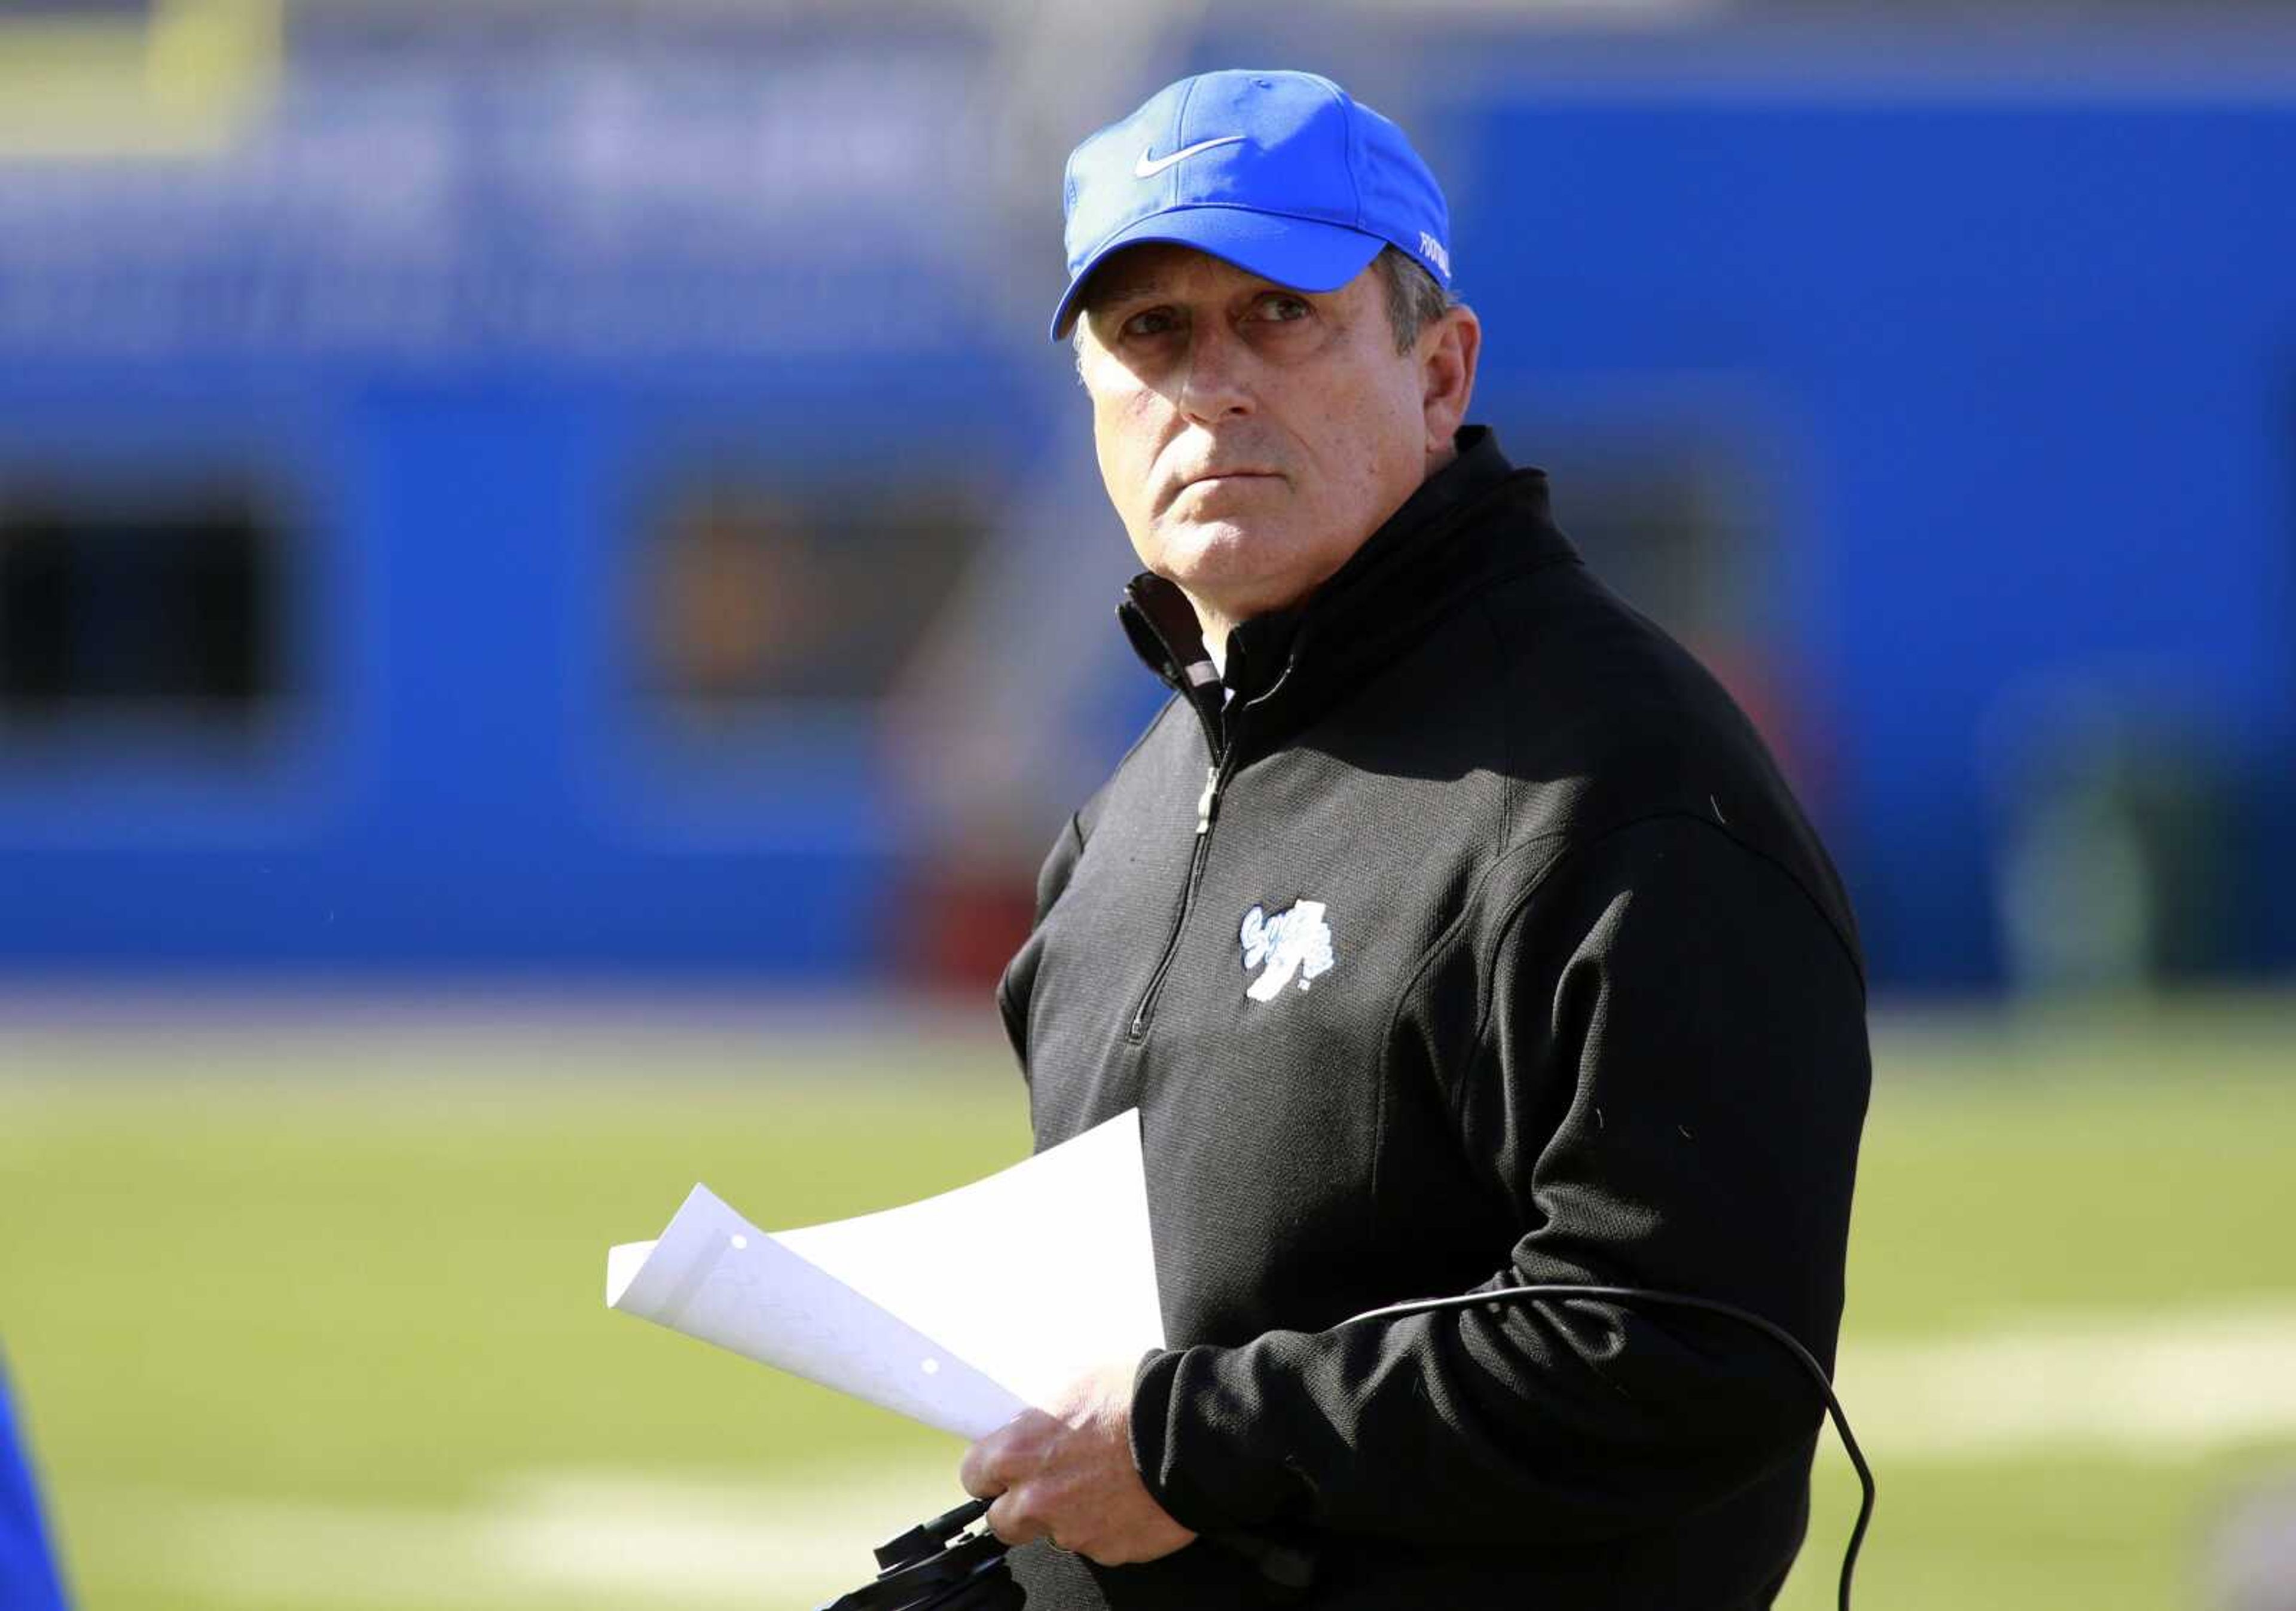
{"x":938,"y":1565}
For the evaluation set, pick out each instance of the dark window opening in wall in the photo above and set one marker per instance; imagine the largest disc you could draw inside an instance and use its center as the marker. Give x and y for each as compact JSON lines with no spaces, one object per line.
{"x":1680,"y":532}
{"x":1673,"y":534}
{"x":754,"y":599}
{"x":160,"y":611}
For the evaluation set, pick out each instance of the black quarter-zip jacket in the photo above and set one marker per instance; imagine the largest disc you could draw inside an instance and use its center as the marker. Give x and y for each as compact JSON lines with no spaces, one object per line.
{"x":1465,"y":936}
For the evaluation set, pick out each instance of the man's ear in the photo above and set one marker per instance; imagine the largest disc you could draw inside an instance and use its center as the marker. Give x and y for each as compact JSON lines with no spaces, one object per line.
{"x":1448,"y":351}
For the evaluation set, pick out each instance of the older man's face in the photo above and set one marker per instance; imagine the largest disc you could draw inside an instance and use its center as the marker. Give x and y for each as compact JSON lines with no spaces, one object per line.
{"x":1251,"y":436}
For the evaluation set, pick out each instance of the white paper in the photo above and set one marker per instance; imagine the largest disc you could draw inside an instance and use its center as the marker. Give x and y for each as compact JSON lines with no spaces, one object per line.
{"x":916,"y":1308}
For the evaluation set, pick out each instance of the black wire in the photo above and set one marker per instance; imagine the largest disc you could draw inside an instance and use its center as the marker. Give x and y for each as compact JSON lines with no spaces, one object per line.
{"x":1682,"y":1300}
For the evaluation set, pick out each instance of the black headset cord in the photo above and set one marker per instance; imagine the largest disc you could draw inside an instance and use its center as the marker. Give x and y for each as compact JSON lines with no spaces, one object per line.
{"x":1680,"y":1300}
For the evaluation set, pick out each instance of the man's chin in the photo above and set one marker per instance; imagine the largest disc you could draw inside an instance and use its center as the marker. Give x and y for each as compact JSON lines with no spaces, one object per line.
{"x":1234,"y":592}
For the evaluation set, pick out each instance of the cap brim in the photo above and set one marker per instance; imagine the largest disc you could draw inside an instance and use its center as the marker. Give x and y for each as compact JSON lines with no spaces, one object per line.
{"x":1302,"y":253}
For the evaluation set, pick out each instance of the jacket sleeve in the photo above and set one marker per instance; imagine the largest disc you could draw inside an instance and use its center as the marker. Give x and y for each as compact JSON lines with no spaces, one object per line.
{"x":1015,"y":985}
{"x":1666,"y":1092}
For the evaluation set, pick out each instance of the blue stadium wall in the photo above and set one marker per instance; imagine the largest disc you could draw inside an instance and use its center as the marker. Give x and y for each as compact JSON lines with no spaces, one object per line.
{"x":2013,"y":375}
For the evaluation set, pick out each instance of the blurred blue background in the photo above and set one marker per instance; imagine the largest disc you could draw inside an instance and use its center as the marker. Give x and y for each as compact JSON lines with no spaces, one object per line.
{"x":553,"y":593}
{"x":582,"y":491}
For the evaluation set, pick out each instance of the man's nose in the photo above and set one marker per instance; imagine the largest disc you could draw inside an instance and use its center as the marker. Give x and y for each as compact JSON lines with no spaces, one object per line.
{"x":1215,"y":384}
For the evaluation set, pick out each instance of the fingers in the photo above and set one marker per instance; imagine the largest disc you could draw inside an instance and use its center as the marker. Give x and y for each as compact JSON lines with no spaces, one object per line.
{"x":1006,"y":1455}
{"x":1015,"y":1520}
{"x":1068,"y":1479}
{"x":1000,"y":1468}
{"x":978,"y":1473}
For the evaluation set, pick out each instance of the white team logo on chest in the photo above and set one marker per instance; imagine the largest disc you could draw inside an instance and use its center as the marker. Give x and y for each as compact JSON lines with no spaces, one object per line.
{"x":1292,"y":945}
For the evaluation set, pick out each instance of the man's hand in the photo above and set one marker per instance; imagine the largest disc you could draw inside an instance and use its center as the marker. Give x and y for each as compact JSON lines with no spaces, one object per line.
{"x":1069,"y":1476}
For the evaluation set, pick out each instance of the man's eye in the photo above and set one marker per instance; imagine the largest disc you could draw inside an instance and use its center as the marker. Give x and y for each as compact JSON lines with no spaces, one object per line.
{"x":1153,"y":322}
{"x":1279,"y":309}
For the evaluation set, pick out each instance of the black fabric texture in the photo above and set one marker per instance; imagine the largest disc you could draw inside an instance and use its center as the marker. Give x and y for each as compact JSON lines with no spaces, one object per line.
{"x":1594,"y":1011}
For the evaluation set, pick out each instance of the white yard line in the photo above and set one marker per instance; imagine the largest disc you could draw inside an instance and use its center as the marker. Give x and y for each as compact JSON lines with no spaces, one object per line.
{"x":2181,"y":1382}
{"x":557,"y":1537}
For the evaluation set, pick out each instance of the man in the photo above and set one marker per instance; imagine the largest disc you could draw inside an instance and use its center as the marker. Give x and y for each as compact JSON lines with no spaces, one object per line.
{"x":1450,"y":928}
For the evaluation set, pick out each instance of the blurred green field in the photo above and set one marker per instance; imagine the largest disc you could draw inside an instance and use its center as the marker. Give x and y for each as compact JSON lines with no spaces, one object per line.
{"x":309,"y":1314}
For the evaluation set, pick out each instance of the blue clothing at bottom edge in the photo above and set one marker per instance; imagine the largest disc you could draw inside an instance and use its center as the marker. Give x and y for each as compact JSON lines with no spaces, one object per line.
{"x":28,"y":1579}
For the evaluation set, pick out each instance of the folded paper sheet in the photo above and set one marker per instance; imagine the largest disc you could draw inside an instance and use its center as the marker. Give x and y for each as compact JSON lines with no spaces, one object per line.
{"x":907,"y":1308}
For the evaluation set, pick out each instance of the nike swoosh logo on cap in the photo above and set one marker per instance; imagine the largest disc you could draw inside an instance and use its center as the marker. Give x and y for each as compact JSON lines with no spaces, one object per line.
{"x":1148,"y":167}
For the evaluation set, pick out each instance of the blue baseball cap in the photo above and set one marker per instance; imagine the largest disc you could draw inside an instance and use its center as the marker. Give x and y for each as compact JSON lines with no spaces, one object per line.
{"x":1278,"y":173}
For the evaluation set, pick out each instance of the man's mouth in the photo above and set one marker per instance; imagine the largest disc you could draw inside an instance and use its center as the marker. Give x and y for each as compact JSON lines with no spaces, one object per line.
{"x":1212,"y":478}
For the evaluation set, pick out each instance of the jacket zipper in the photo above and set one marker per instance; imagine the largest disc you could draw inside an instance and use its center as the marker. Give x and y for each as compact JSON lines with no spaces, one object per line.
{"x":1207,"y":808}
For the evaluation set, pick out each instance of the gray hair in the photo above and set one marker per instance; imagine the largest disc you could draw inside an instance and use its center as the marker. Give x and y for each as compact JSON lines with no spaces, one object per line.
{"x":1415,"y":300}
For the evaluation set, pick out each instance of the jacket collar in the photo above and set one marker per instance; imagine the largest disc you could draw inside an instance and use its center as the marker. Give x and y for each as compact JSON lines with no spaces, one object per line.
{"x":1473,"y":521}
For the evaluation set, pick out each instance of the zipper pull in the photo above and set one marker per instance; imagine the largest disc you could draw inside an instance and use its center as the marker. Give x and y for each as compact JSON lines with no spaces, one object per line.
{"x":1205,"y":802}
